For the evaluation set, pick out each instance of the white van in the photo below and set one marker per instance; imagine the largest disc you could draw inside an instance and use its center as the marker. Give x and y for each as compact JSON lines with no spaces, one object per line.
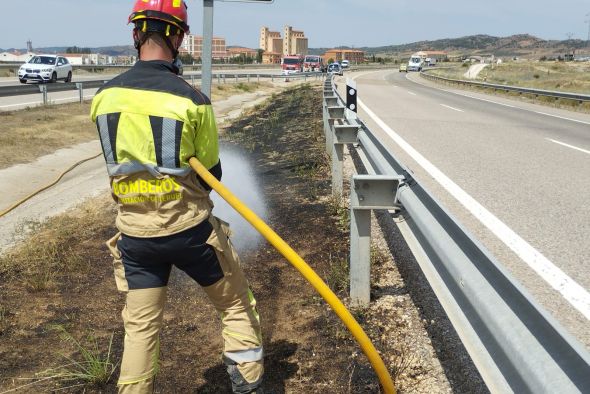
{"x":345,"y":63}
{"x":416,"y":63}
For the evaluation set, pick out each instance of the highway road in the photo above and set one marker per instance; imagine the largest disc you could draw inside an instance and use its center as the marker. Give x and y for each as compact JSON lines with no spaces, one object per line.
{"x":517,"y":175}
{"x":20,"y":102}
{"x":87,"y":76}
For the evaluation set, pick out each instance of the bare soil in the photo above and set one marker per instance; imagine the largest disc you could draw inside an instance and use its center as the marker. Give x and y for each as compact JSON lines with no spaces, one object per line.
{"x":61,"y":278}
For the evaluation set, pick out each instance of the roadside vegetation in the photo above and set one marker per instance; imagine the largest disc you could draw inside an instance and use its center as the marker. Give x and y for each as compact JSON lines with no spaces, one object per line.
{"x":58,"y":293}
{"x":571,"y":77}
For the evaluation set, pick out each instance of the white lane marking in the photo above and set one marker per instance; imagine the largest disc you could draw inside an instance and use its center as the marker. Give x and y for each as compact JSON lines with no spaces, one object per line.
{"x":559,"y":280}
{"x":568,"y":145}
{"x":561,"y":117}
{"x":498,"y":103}
{"x":453,"y":108}
{"x":412,"y":93}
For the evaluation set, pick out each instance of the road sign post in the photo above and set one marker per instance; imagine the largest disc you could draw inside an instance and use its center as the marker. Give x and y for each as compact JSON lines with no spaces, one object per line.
{"x":207,"y":53}
{"x":351,"y":95}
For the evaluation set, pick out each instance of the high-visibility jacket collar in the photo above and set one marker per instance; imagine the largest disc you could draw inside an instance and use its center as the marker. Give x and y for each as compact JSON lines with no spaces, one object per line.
{"x":155,"y":65}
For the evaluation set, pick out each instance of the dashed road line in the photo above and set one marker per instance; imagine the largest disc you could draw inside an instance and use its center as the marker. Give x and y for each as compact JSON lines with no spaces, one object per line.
{"x":453,"y":108}
{"x":498,"y":103}
{"x":568,"y":145}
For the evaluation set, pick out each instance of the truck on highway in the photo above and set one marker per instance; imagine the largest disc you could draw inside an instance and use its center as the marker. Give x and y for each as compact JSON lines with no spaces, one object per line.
{"x":415,"y":63}
{"x":313,"y":63}
{"x":292,"y":64}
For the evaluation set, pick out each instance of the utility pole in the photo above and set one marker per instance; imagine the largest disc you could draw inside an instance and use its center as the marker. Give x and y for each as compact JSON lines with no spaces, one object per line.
{"x":588,"y":22}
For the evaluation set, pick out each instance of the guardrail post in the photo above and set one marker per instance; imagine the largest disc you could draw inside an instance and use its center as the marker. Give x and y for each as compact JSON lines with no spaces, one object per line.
{"x":193,"y":80}
{"x":248,"y":78}
{"x":335,"y":114}
{"x":219,"y":79}
{"x":272,"y":78}
{"x":258,"y":78}
{"x":236,"y":78}
{"x":43,"y":89}
{"x":343,"y":134}
{"x":367,"y":192}
{"x":80,"y":87}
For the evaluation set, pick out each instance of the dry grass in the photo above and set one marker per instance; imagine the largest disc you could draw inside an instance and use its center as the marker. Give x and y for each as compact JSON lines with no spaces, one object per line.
{"x":558,"y":76}
{"x":572,"y":77}
{"x":28,"y":134}
{"x":60,"y":248}
{"x":33,"y":132}
{"x":223,"y":91}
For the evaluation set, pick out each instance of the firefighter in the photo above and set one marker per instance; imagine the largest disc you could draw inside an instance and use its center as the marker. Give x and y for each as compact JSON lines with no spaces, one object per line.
{"x":150,"y":123}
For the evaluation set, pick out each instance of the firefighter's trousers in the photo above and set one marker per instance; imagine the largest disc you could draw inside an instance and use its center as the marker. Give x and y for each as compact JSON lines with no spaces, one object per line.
{"x":142,"y":268}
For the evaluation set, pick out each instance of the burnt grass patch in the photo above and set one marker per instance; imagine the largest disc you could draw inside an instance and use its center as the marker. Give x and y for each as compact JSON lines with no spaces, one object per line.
{"x":61,"y":279}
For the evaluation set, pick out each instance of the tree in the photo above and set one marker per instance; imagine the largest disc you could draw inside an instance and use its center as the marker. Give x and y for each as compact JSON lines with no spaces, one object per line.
{"x":259,"y":54}
{"x":75,"y":49}
{"x":186,"y":58}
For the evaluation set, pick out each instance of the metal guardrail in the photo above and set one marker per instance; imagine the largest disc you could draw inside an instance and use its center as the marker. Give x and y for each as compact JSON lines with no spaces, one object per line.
{"x":507,"y":88}
{"x":44,"y":89}
{"x":516,"y":345}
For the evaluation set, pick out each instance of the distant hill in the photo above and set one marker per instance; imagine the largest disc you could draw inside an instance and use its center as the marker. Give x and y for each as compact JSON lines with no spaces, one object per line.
{"x":116,"y":50}
{"x":524,"y":45}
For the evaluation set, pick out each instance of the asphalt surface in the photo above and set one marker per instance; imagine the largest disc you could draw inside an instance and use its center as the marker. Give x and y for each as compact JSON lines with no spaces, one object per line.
{"x":529,"y":169}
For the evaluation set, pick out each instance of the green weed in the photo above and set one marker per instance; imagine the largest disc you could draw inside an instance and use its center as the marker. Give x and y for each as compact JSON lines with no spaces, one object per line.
{"x":94,"y":366}
{"x":338,"y":275}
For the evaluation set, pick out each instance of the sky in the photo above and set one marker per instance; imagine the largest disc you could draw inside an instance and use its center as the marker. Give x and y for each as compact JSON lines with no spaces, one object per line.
{"x":326,"y":23}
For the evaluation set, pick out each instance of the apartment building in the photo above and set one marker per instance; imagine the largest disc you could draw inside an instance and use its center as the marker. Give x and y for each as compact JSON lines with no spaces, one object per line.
{"x":274,"y":46}
{"x":294,"y":42}
{"x":193,"y":45}
{"x":271,"y":41}
{"x":354,"y":56}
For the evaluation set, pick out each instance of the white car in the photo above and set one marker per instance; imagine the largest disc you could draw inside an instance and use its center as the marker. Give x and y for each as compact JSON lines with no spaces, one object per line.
{"x":335,"y":68}
{"x":345,"y":63}
{"x":46,"y":68}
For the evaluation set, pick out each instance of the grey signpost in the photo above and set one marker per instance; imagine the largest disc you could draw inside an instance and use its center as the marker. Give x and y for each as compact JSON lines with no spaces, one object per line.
{"x":207,"y":54}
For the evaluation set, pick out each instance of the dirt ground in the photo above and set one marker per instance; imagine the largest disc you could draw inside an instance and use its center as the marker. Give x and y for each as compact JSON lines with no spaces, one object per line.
{"x":62,"y":272}
{"x":61,"y":280}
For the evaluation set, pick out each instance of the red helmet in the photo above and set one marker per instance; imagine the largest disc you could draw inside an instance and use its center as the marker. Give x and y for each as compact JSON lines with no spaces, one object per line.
{"x":173,"y":12}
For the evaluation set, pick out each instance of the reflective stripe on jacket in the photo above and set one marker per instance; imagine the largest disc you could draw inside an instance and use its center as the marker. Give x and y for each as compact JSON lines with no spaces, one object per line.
{"x":150,"y":122}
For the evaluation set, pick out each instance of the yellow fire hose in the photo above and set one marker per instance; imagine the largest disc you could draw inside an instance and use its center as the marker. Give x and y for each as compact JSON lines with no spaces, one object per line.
{"x":305,"y":270}
{"x":27,"y":198}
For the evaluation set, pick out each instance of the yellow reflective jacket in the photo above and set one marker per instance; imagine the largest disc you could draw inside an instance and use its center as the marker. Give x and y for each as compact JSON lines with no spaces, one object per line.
{"x":150,"y":122}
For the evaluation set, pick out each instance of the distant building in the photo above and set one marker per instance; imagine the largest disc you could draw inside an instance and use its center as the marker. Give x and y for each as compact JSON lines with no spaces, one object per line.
{"x":15,"y":57}
{"x":237,"y":52}
{"x":294,"y":42}
{"x":270,"y":41}
{"x":271,"y":57}
{"x":193,"y":45}
{"x":274,"y":46}
{"x":438,"y":55}
{"x":354,"y":56}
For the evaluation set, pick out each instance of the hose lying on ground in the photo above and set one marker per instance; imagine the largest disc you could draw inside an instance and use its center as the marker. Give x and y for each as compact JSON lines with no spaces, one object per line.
{"x":309,"y":274}
{"x":20,"y":202}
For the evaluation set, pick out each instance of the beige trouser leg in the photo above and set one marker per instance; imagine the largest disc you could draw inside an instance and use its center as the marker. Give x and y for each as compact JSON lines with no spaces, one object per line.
{"x":142,"y":317}
{"x":234,"y":301}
